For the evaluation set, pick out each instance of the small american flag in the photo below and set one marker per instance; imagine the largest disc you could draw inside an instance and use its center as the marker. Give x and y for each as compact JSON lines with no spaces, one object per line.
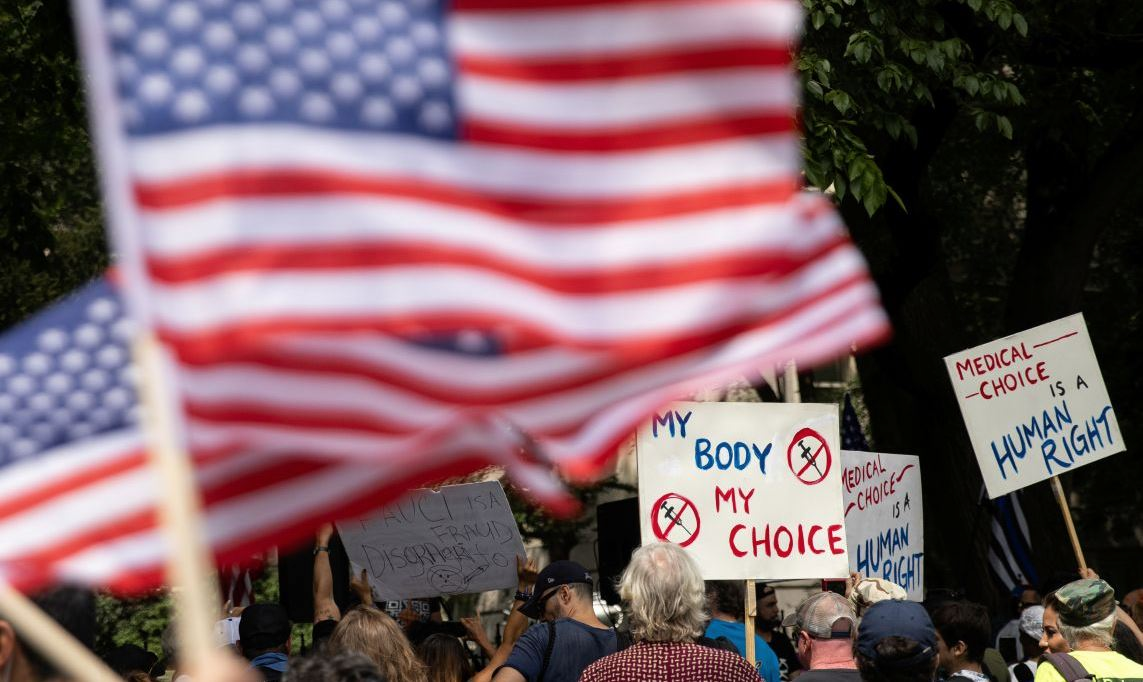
{"x":852,"y":437}
{"x":604,"y":192}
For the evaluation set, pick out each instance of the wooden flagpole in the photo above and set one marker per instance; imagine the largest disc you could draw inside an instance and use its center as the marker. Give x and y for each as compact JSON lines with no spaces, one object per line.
{"x":49,"y":638}
{"x":1058,"y":489}
{"x":189,"y":563}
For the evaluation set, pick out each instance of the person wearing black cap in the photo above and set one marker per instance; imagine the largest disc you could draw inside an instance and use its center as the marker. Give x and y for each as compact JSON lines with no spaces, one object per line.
{"x":570,"y":637}
{"x":264,"y":639}
{"x":896,"y":642}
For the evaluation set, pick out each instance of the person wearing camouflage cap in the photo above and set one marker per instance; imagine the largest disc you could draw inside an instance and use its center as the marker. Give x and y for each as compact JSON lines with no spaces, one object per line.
{"x":1082,"y":614}
{"x":824,"y":629}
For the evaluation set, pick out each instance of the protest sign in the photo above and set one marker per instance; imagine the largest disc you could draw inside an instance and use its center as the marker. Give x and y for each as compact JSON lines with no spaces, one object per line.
{"x":751,"y":490}
{"x":1034,"y":404}
{"x":456,"y":540}
{"x":883,"y":518}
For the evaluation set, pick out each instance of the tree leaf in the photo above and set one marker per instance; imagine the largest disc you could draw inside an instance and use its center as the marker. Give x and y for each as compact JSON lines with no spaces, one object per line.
{"x":1020,"y":23}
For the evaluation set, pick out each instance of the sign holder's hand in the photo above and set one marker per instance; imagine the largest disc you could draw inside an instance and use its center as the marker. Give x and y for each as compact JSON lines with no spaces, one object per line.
{"x":361,"y":587}
{"x":475,"y":633}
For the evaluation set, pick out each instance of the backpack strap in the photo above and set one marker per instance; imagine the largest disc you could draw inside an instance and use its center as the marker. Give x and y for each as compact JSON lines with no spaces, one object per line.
{"x":548,"y":651}
{"x":1023,"y":673}
{"x":1070,"y":669}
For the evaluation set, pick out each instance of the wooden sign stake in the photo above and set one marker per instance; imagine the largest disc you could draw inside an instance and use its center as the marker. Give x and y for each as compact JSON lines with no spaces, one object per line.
{"x":1067,"y":512}
{"x":750,"y":611}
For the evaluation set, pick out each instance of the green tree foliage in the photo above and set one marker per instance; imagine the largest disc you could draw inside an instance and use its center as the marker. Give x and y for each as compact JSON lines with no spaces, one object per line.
{"x":559,"y":536}
{"x":51,"y":238}
{"x":871,"y":67}
{"x":1008,"y":136}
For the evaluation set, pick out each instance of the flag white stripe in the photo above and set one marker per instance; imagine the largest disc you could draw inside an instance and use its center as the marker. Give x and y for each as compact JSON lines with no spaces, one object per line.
{"x":622,"y":28}
{"x":219,"y":301}
{"x":255,"y":223}
{"x":402,"y":409}
{"x":104,"y":502}
{"x":466,"y":166}
{"x":629,"y":397}
{"x":998,"y":534}
{"x":570,"y":107}
{"x":69,"y":459}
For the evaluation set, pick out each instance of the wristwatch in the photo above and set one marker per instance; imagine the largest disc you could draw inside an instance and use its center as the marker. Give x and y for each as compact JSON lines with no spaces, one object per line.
{"x":523,"y":596}
{"x":320,"y":548}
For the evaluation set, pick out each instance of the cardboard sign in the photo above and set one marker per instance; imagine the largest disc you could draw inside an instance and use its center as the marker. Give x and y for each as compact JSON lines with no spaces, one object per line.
{"x":752,"y":490}
{"x":883,"y":518}
{"x":457,"y":540}
{"x":1035,"y":404}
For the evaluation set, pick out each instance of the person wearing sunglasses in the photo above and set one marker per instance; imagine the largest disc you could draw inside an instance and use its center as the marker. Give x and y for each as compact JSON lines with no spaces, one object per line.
{"x":569,"y":637}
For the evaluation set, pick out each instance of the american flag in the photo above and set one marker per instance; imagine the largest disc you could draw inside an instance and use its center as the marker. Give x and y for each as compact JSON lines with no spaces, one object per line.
{"x":78,"y":498}
{"x":852,"y":437}
{"x":612,"y":175}
{"x":604,"y":191}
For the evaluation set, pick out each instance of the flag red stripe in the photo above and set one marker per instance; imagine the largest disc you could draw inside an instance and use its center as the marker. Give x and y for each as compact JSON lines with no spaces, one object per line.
{"x":264,"y":183}
{"x":245,"y":483}
{"x":630,"y":138}
{"x":289,"y":530}
{"x":29,"y":499}
{"x":238,"y":412}
{"x":762,"y":262}
{"x":207,"y":352}
{"x":618,"y":66}
{"x":524,"y":334}
{"x":66,"y":485}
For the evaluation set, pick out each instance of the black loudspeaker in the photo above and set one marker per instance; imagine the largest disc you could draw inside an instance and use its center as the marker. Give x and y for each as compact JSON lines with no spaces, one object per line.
{"x":296,"y":579}
{"x":617,"y":526}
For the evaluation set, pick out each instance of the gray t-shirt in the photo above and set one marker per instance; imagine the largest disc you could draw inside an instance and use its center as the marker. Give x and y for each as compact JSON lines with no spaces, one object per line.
{"x":576,"y":647}
{"x":829,"y":675}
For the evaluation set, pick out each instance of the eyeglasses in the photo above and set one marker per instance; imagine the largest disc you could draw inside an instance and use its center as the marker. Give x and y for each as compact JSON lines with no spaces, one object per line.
{"x":540,"y":605}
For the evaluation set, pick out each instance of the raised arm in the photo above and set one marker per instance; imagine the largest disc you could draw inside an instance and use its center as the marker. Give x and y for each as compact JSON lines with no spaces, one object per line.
{"x":517,"y":622}
{"x":325,"y":608}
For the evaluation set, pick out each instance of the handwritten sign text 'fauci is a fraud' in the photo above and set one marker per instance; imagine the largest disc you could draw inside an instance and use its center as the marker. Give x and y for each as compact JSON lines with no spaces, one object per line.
{"x":1034,"y":404}
{"x":883,"y":518}
{"x":456,"y":540}
{"x":752,"y":490}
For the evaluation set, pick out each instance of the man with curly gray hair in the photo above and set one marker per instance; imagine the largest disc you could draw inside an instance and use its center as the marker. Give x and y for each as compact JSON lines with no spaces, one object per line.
{"x":666,"y":609}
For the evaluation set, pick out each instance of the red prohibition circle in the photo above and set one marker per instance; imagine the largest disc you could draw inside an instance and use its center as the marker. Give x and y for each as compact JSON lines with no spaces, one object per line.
{"x":675,"y":519}
{"x":813,"y":465}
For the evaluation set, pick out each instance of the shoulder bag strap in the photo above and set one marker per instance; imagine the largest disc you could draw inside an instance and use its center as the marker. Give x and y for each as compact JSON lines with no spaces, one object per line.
{"x":548,"y":651}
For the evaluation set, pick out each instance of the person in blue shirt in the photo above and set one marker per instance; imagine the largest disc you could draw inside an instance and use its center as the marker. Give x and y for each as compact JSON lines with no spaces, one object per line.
{"x":569,"y":637}
{"x":726,"y":600}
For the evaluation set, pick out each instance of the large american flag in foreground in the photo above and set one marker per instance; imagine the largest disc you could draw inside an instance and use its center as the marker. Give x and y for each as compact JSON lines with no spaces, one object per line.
{"x":304,"y":192}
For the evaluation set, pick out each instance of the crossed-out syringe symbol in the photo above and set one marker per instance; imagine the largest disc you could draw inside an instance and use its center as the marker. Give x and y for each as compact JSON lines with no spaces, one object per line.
{"x":811,"y":458}
{"x":673,"y":517}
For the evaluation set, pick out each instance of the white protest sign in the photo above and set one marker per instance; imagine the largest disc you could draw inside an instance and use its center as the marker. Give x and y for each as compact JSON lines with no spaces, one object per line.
{"x":751,"y":490}
{"x":457,"y":540}
{"x":883,"y":518}
{"x":1034,"y":404}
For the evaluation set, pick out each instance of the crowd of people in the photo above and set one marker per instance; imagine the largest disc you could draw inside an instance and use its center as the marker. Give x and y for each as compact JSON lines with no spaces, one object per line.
{"x":675,"y":627}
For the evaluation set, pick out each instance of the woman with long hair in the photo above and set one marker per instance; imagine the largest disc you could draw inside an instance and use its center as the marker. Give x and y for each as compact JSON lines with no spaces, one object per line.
{"x":368,"y":631}
{"x":446,"y":658}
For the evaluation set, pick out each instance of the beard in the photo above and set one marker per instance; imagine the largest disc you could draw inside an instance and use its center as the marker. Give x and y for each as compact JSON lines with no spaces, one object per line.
{"x":767,"y":623}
